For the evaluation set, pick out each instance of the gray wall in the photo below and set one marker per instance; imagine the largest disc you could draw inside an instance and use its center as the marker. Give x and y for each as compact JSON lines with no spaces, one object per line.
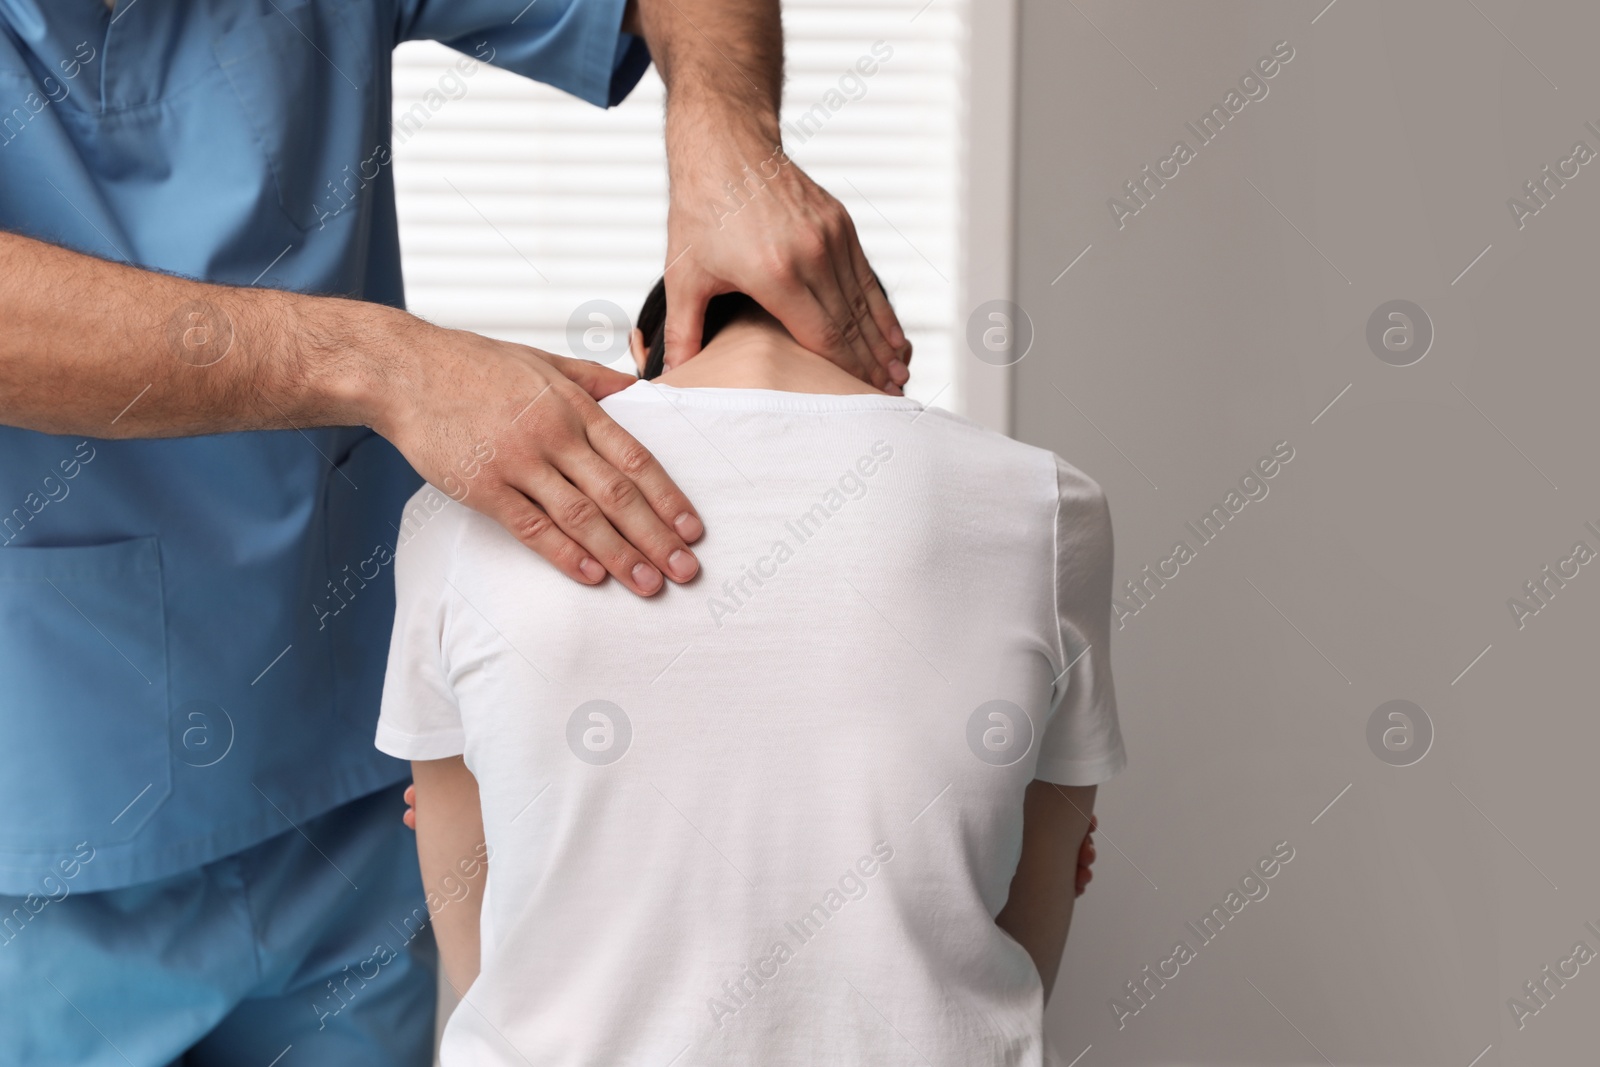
{"x":1222,"y":319}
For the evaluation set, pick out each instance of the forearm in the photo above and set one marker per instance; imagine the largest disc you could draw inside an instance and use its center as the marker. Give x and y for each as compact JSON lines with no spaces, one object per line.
{"x":108,"y":350}
{"x":1038,"y":912}
{"x":453,"y":857}
{"x":453,"y":876}
{"x":722,"y":64}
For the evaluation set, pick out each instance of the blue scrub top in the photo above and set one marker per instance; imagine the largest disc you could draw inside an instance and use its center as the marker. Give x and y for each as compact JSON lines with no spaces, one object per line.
{"x":193,"y":631}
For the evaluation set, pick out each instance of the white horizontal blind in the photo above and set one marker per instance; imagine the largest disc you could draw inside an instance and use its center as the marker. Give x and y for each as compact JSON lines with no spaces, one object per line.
{"x":518,"y":203}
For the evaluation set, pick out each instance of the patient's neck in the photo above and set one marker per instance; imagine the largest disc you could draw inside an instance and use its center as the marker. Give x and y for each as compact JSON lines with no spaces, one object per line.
{"x":756,"y":355}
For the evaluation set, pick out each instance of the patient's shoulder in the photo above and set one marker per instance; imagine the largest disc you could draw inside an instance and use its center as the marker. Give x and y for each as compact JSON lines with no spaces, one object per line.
{"x":979,"y":441}
{"x":1055,"y":480}
{"x":429,"y":526}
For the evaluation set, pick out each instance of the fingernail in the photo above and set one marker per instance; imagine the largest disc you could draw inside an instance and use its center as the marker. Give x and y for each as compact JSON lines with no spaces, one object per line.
{"x":591,"y":570}
{"x":646,"y":577}
{"x":682,"y":565}
{"x":689,"y":527}
{"x":898,"y":372}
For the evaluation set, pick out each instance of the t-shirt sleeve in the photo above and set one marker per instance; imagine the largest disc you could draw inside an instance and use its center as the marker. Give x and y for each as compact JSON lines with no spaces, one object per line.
{"x":419,"y":718}
{"x":576,"y":46}
{"x":1082,"y":742}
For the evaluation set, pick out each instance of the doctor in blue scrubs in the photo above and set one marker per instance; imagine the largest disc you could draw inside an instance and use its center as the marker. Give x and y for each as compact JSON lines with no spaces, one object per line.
{"x":212,"y":409}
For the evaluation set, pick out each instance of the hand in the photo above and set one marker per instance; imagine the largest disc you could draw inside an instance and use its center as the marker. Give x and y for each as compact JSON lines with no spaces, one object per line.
{"x":1086,"y":853}
{"x":516,"y":434}
{"x":777,"y":236}
{"x":410,"y":816}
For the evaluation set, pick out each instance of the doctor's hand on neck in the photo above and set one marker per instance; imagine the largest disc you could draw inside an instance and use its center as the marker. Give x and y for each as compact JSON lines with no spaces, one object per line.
{"x":744,"y":217}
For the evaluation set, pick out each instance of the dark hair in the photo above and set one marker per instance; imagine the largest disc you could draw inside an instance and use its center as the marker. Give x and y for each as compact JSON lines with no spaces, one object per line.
{"x":722,"y":310}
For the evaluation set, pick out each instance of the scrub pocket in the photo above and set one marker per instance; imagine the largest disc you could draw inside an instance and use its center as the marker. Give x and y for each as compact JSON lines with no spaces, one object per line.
{"x":84,"y":754}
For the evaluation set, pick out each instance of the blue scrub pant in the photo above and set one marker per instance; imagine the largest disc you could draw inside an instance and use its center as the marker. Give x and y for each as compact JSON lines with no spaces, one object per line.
{"x":307,"y":949}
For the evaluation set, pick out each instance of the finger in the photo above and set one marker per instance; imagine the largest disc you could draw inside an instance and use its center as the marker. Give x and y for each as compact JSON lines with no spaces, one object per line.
{"x":532,"y":525}
{"x":624,"y":506}
{"x":882,"y":310}
{"x":851,"y":283}
{"x":598,"y":381}
{"x":819,"y":260}
{"x":898,"y":353}
{"x":881,"y":326}
{"x":849,"y":346}
{"x":907,"y":350}
{"x":688,"y":292}
{"x":581,"y":519}
{"x":858,"y":357}
{"x":409,"y":818}
{"x":808,"y":321}
{"x":411,"y":795}
{"x":879,"y":349}
{"x":660,"y":493}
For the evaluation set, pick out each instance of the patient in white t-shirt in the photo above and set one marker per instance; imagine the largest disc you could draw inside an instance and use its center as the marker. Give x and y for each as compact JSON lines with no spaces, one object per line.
{"x":821,"y":805}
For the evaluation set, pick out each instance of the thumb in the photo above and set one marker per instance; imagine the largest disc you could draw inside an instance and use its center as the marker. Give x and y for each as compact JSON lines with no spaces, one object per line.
{"x":687,"y":297}
{"x":591,"y":377}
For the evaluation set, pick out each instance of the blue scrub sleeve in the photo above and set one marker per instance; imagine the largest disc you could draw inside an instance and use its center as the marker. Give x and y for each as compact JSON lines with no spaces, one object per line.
{"x":576,"y":46}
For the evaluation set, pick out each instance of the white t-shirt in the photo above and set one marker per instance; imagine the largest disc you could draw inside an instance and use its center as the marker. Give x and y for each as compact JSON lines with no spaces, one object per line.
{"x":767,"y":818}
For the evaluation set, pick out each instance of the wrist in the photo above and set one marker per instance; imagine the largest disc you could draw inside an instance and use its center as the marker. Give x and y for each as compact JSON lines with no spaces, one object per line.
{"x":349,"y":360}
{"x":714,"y":128}
{"x":713,"y":178}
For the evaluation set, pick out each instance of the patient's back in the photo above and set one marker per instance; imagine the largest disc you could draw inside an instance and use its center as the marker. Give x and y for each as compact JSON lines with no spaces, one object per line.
{"x":901,"y":619}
